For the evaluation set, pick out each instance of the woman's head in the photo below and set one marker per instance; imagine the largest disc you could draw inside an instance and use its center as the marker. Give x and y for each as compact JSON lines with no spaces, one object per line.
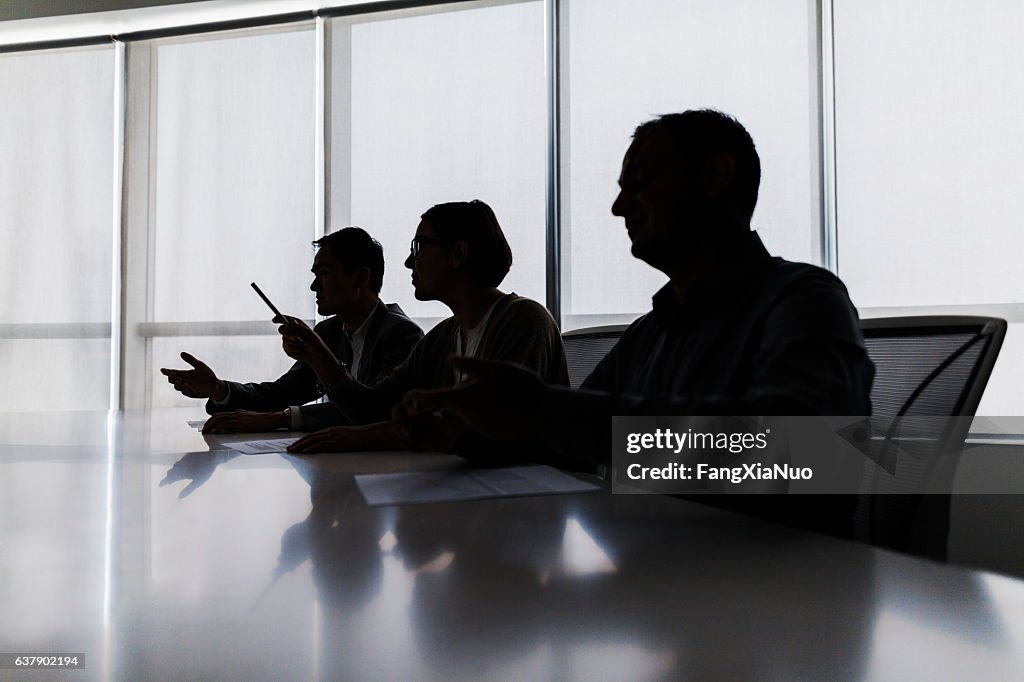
{"x":459,"y":237}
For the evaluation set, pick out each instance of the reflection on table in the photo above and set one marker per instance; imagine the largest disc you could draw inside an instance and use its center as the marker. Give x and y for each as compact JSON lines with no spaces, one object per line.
{"x":162,"y":555}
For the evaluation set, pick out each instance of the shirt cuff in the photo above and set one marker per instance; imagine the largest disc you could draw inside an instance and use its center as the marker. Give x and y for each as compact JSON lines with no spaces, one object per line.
{"x":227,"y":396}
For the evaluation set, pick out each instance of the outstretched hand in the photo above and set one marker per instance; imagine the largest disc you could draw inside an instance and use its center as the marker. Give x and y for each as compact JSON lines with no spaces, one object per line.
{"x":498,"y":399}
{"x":198,"y":382}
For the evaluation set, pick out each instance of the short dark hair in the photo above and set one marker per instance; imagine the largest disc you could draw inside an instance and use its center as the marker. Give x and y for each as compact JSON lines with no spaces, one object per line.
{"x":354,"y":248}
{"x":473,"y":222}
{"x":697,"y":134}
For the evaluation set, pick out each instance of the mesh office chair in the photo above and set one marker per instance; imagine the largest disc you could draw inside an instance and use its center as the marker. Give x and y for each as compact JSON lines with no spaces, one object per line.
{"x":928,"y":366}
{"x":584,"y":348}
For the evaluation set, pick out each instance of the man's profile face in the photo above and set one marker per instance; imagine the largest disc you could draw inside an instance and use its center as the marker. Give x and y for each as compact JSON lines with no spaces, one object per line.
{"x":335,"y":289}
{"x":657,"y":201}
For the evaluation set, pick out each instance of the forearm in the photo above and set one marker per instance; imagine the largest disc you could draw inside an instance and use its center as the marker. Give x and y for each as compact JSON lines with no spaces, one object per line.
{"x":329,"y":371}
{"x":381,"y":436}
{"x":291,"y":389}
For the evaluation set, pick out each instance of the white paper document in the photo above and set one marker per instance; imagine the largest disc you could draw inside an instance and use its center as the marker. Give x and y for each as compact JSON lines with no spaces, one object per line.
{"x":476,"y":484}
{"x":197,"y":423}
{"x":261,"y":447}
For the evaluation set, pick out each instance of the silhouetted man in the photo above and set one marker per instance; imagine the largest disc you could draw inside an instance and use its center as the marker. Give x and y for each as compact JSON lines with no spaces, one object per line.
{"x":365,"y":334}
{"x":734,"y":332}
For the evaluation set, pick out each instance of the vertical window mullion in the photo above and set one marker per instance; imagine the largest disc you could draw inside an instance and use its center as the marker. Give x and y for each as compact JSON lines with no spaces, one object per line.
{"x":553,"y":224}
{"x":117,"y":256}
{"x":829,"y":222}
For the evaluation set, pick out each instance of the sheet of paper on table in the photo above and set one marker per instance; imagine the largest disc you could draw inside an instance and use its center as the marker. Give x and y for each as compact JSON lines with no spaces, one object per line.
{"x":475,"y":484}
{"x":197,"y":423}
{"x":261,"y":447}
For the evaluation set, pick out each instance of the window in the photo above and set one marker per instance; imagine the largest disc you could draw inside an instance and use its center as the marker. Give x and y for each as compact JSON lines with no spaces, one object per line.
{"x":56,"y":246}
{"x":438,"y":107}
{"x":227,"y":151}
{"x":929,"y":157}
{"x":626,"y":62}
{"x":226,"y":166}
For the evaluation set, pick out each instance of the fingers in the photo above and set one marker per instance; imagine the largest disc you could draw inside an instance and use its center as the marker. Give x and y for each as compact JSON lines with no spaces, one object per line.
{"x":176,"y":374}
{"x":232,"y":422}
{"x":487,"y":370}
{"x":401,"y":411}
{"x":191,"y":382}
{"x":190,"y":488}
{"x":292,"y":325}
{"x":332,"y":439}
{"x":293,"y":344}
{"x":419,"y":402}
{"x":179,"y":379}
{"x":225,"y":422}
{"x":198,"y":364}
{"x":314,"y":442}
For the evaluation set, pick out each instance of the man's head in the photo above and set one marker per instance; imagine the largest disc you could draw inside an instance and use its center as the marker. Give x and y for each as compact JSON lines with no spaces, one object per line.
{"x":687,"y":180}
{"x":348,"y":270}
{"x":458,"y":243}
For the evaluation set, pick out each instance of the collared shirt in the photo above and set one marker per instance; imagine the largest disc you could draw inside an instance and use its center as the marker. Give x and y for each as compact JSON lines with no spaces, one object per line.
{"x":759,"y":335}
{"x":356,"y":340}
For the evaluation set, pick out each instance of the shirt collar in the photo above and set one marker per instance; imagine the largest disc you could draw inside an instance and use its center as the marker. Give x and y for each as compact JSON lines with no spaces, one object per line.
{"x":364,"y":328}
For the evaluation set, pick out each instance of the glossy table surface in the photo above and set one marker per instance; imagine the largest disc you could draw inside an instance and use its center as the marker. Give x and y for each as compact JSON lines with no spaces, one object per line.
{"x":160,"y":555}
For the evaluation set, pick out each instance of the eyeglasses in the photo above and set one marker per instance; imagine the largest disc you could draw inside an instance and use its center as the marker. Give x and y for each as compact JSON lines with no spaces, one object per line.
{"x":416,"y":245}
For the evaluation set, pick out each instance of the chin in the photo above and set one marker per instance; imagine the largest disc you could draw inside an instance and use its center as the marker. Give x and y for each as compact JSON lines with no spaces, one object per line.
{"x":652,"y":257}
{"x":423,"y":295}
{"x":639,"y":250}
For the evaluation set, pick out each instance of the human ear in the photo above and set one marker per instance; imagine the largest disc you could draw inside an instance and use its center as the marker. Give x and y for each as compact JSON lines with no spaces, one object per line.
{"x":460,"y":253}
{"x":361,"y":276}
{"x":717,"y":174}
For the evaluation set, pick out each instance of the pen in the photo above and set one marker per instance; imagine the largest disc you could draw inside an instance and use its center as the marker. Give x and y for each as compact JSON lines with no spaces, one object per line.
{"x":277,"y":312}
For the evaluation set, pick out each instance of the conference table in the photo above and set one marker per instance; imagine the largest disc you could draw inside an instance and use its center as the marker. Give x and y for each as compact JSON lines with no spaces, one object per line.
{"x":158,"y":553}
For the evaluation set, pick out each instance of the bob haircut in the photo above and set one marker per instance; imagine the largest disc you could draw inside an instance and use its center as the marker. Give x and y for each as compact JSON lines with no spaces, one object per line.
{"x":473,"y":222}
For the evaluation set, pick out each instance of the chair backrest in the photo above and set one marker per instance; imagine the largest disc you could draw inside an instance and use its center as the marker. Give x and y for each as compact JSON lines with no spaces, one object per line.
{"x":584,"y":348}
{"x":925,"y":367}
{"x":934,"y":366}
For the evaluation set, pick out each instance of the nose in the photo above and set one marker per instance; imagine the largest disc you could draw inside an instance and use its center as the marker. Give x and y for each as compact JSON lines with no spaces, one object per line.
{"x":312,"y":285}
{"x":619,"y":205}
{"x":408,"y":261}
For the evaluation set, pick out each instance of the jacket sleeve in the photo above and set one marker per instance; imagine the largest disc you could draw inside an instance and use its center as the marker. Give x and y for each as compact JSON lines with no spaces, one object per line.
{"x":320,"y":416}
{"x":297,"y":386}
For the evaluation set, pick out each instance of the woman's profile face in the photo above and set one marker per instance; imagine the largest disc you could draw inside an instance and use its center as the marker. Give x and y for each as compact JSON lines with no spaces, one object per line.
{"x":430,"y":262}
